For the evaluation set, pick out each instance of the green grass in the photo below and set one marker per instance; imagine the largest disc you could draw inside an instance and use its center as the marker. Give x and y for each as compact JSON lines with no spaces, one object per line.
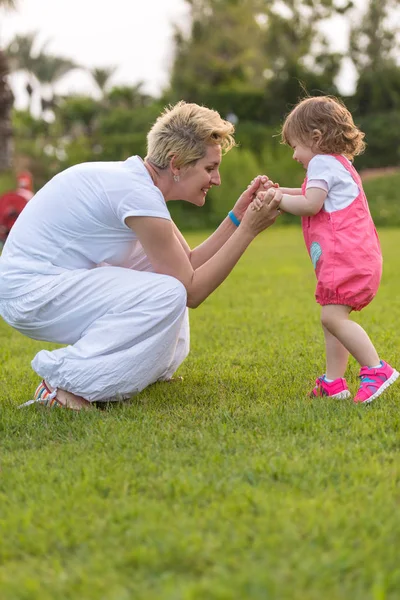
{"x":7,"y":182}
{"x":230,"y":485}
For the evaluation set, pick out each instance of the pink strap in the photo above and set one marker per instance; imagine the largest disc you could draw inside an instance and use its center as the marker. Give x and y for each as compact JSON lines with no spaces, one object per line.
{"x":349,"y":167}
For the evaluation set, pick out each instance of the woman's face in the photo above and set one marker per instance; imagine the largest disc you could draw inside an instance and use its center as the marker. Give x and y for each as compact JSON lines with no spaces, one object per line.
{"x":197,"y":179}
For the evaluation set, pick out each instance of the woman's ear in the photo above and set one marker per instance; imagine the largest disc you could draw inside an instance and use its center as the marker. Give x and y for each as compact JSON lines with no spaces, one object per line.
{"x":175,"y":170}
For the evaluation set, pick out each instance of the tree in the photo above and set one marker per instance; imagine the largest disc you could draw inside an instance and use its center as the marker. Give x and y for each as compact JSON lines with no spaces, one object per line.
{"x":261,"y":47}
{"x":21,"y":55}
{"x":6,"y":103}
{"x":102,"y":77}
{"x":49,"y":69}
{"x":374,"y":45}
{"x":299,"y":53}
{"x":223,"y":49}
{"x":373,"y":42}
{"x":42,"y":68}
{"x":128,"y":97}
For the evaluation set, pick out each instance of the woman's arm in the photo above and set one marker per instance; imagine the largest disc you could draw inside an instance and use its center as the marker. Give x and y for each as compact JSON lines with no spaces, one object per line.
{"x":167,"y":255}
{"x":202,"y":253}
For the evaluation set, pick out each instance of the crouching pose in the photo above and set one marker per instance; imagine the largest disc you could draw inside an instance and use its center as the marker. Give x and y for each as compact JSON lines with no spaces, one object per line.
{"x":95,"y":263}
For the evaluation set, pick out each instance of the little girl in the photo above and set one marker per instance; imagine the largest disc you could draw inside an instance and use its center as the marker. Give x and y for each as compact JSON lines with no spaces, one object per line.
{"x":340,"y":237}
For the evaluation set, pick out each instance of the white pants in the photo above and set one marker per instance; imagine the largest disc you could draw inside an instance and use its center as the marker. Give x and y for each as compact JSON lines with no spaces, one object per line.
{"x":125,"y":328}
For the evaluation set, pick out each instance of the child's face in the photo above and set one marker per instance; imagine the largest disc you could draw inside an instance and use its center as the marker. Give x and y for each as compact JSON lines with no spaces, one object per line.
{"x":302,"y":153}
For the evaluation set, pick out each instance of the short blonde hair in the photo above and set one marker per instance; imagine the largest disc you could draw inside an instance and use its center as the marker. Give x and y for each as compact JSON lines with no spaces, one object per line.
{"x":184,"y":131}
{"x":324,"y":122}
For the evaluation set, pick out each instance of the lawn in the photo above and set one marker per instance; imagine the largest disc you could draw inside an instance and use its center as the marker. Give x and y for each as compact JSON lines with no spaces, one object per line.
{"x":230,"y":485}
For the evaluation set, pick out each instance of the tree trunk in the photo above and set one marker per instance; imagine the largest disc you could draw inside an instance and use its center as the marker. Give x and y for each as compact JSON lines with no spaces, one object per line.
{"x":6,"y":103}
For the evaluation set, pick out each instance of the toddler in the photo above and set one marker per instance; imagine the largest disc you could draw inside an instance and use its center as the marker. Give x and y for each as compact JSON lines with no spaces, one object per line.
{"x":340,"y":237}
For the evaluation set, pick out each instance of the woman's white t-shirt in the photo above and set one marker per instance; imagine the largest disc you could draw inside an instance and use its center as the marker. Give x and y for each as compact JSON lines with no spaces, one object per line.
{"x":326,"y":172}
{"x":77,"y":221}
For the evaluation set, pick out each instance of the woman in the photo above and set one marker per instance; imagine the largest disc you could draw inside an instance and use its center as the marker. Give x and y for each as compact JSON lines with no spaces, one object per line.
{"x":125,"y":324}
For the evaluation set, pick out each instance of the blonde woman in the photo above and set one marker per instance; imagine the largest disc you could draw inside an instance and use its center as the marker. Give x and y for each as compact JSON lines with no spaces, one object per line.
{"x":95,"y":262}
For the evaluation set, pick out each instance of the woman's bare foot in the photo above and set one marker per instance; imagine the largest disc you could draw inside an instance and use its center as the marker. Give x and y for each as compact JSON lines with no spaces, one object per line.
{"x":174,"y":379}
{"x":70,"y":400}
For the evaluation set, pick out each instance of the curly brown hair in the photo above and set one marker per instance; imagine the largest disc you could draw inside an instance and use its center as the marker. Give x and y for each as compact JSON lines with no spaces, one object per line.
{"x":326,"y":124}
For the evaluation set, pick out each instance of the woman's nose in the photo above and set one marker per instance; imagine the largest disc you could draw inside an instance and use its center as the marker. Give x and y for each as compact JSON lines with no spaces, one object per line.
{"x":216,"y":179}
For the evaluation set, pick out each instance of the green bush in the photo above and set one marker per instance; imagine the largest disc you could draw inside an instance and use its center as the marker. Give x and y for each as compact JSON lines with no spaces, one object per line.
{"x":44,"y":162}
{"x":383,"y":195}
{"x":237,"y":170}
{"x":7,"y":181}
{"x":255,"y":137}
{"x":383,"y":140}
{"x":119,"y":146}
{"x":127,"y":120}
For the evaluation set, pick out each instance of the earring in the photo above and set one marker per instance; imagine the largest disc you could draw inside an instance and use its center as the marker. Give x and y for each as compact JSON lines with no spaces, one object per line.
{"x":176,"y":178}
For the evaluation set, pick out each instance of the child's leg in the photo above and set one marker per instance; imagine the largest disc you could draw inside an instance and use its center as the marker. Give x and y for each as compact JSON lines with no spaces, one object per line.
{"x":337,"y":356}
{"x":335,"y":318}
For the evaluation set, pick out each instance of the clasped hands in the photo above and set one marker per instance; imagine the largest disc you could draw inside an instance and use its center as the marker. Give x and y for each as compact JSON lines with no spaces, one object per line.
{"x":262,"y":206}
{"x":267,"y":191}
{"x":259,"y":185}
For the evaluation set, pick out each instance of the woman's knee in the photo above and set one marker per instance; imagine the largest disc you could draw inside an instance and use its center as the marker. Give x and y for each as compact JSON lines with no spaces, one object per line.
{"x":175,"y":292}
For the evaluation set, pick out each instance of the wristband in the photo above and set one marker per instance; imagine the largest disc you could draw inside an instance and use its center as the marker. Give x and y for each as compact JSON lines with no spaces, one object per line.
{"x":233,"y":218}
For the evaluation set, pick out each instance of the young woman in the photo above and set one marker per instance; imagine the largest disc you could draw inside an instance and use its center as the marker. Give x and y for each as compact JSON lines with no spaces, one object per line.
{"x":125,"y":323}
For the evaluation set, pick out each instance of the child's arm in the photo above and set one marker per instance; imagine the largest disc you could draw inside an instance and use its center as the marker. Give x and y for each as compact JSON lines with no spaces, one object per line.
{"x":305,"y":205}
{"x":301,"y":205}
{"x":291,"y":191}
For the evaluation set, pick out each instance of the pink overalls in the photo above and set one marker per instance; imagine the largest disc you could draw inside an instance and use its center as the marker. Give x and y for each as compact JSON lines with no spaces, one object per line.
{"x":345,"y":251}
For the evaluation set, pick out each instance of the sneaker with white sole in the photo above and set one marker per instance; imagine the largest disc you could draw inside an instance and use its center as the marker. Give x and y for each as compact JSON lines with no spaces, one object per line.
{"x":374,"y":382}
{"x":331,"y":389}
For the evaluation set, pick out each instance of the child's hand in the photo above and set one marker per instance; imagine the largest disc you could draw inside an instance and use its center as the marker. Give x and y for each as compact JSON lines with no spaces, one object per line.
{"x":256,"y":220}
{"x":258,"y":201}
{"x":259,"y":183}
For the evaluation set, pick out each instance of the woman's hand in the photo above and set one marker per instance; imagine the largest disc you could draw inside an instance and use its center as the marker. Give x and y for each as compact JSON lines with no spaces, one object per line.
{"x":261,"y":215}
{"x":261,"y":197}
{"x":259,"y":183}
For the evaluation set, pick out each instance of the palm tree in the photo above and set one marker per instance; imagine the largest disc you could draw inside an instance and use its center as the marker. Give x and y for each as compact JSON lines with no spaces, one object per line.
{"x":129,"y":97}
{"x":48,"y":70}
{"x":41,"y":68}
{"x":102,"y":77}
{"x":22,"y":57}
{"x":6,"y":102}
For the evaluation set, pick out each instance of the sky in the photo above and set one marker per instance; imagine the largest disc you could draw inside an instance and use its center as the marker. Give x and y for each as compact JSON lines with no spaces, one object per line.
{"x":133,"y":35}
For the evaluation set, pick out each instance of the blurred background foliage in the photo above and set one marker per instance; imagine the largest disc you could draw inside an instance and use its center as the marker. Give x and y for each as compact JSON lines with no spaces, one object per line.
{"x":249,"y":59}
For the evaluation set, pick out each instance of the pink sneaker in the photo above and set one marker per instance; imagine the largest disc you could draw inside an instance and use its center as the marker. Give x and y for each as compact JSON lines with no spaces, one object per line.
{"x":335,"y":389}
{"x":374,"y":382}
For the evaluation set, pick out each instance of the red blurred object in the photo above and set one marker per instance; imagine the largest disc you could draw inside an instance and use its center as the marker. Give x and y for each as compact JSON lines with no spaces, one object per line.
{"x":25,"y":181}
{"x":13,"y":203}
